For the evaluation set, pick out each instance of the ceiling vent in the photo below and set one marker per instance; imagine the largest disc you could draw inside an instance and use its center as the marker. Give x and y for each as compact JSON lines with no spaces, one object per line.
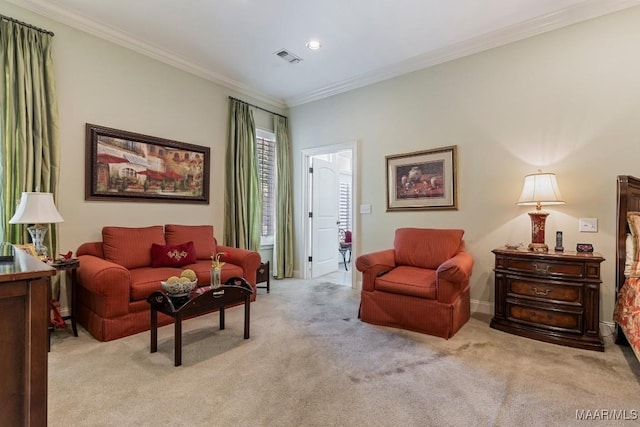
{"x":291,"y":58}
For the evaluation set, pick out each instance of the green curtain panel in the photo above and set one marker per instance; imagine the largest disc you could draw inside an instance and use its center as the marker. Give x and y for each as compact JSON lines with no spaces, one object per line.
{"x":30,"y":148}
{"x":242,"y":199}
{"x":283,"y":247}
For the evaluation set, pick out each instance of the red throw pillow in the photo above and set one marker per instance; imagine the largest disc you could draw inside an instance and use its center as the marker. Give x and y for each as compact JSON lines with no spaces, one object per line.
{"x":173,"y":256}
{"x":200,"y":235}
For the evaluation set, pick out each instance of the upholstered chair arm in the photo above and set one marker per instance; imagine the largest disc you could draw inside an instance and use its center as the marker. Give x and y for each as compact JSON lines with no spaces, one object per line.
{"x":248,"y":260}
{"x":374,"y":264}
{"x":453,"y":276}
{"x":108,"y":282}
{"x":91,"y":248}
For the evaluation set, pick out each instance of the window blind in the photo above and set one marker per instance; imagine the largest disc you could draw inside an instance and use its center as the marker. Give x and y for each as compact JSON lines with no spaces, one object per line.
{"x":266,"y":154}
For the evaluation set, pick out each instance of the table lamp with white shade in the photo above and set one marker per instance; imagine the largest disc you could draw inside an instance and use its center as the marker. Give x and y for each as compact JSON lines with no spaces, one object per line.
{"x":539,"y":189}
{"x":37,"y":209}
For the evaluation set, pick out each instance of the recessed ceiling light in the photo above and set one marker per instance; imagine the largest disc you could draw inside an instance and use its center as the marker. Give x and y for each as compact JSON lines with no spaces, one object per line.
{"x":313,"y":44}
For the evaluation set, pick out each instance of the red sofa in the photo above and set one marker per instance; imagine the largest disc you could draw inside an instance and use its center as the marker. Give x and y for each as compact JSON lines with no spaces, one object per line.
{"x":116,"y":275}
{"x":421,"y":285}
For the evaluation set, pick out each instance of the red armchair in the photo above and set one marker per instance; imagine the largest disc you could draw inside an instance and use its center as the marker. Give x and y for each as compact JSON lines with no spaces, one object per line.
{"x":421,"y":285}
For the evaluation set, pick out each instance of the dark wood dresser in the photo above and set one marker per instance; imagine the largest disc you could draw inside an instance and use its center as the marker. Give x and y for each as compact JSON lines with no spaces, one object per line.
{"x":24,"y":320}
{"x":552,"y":297}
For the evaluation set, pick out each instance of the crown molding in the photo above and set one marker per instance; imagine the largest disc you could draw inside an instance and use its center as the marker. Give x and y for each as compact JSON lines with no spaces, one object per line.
{"x":106,"y":32}
{"x":584,"y":11}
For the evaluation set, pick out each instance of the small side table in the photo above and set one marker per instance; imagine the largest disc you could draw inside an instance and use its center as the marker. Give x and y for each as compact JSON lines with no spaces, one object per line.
{"x":263,"y":275}
{"x":70,"y":267}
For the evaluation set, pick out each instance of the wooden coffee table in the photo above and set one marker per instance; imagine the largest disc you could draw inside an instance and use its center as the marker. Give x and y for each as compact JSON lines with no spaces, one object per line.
{"x":200,"y":301}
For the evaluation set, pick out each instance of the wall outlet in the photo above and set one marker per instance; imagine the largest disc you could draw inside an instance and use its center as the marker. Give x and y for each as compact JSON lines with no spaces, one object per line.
{"x":588,"y":225}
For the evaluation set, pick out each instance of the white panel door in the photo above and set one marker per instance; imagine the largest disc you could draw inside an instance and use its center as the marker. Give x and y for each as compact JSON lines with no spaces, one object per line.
{"x":324,"y":234}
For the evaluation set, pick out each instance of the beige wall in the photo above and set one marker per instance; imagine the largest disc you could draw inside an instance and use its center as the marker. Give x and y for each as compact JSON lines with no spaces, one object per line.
{"x":566,"y":102}
{"x":101,"y":83}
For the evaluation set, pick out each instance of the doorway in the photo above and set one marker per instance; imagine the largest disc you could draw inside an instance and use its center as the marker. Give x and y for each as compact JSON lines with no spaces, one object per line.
{"x":333,"y":214}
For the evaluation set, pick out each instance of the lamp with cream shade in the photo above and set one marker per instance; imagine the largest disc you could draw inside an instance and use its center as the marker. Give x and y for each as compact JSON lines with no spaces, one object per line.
{"x":539,"y":189}
{"x":37,"y":209}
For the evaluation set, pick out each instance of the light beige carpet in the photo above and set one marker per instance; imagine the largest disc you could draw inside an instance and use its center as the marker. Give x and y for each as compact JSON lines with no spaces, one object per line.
{"x":311,"y":362}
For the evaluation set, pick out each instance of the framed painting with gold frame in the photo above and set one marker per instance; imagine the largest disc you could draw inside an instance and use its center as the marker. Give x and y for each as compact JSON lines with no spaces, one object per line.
{"x":422,"y":180}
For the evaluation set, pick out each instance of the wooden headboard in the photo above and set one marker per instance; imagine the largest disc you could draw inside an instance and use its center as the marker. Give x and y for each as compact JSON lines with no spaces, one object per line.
{"x":628,"y":200}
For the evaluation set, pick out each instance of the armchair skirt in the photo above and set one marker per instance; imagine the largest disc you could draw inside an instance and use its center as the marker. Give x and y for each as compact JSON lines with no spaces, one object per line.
{"x":415,"y":314}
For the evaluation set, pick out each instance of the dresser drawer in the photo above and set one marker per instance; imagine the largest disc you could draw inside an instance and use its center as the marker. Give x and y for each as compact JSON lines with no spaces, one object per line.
{"x":556,"y":320}
{"x":567,"y":293}
{"x":546,"y":268}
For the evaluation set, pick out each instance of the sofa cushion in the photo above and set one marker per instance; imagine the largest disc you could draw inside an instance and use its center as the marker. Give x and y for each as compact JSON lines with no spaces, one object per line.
{"x":426,"y":247}
{"x":146,"y":280}
{"x":131,"y":247}
{"x":172,"y":256}
{"x":412,"y":281}
{"x":200,"y":235}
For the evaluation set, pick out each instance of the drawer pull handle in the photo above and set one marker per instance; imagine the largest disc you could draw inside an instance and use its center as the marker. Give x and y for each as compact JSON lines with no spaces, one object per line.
{"x":541,"y":293}
{"x":544,"y":269}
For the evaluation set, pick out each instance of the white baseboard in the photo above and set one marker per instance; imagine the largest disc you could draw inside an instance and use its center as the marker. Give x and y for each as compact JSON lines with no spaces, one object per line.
{"x":609,"y":324}
{"x":484,"y":307}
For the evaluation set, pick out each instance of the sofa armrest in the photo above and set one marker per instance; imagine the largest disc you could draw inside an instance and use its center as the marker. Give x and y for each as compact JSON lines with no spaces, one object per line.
{"x":108,"y":283}
{"x":453,"y":276}
{"x":373,"y":265}
{"x":91,"y":248}
{"x":248,"y":260}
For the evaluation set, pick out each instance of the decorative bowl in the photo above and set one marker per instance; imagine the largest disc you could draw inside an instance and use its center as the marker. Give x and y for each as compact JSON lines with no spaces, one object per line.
{"x":513,"y":246}
{"x":178,"y":289}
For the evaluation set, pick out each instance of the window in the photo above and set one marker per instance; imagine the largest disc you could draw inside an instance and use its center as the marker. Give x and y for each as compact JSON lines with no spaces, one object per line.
{"x":344,"y":215}
{"x":266,"y":155}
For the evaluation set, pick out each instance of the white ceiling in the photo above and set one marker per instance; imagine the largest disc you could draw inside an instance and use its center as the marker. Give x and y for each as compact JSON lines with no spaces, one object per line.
{"x":232,"y":42}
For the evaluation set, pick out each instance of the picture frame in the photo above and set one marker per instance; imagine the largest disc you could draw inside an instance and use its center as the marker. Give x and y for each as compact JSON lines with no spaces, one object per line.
{"x":422,"y":180}
{"x":131,"y":167}
{"x":28,"y":248}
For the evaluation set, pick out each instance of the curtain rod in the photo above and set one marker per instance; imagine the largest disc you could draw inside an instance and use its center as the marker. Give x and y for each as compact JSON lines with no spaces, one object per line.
{"x":255,"y":106}
{"x":26,"y":25}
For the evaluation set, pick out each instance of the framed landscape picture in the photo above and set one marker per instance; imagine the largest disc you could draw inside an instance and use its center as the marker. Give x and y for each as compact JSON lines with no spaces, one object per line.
{"x":422,"y":180}
{"x":126,"y":166}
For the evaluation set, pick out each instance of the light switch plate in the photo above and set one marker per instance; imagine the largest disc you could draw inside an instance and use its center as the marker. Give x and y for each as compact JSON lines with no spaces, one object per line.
{"x":588,"y":225}
{"x":365,"y":209}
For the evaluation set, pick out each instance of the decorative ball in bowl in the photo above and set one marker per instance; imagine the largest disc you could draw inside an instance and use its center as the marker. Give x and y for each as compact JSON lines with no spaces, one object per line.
{"x":178,"y":286}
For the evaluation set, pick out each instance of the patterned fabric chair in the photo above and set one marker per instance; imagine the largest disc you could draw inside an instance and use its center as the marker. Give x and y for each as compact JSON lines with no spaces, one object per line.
{"x":421,"y":285}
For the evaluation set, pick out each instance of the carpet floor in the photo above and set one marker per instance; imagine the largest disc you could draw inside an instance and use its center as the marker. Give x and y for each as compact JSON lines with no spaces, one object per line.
{"x":311,"y":362}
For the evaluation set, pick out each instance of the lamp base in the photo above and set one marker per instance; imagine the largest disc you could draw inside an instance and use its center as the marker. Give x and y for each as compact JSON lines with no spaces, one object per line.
{"x":37,"y":232}
{"x":538,"y":219}
{"x":538,"y":247}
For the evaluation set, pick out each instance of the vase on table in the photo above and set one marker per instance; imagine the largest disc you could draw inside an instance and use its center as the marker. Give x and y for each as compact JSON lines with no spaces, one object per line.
{"x":216,"y":269}
{"x":215,"y":277}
